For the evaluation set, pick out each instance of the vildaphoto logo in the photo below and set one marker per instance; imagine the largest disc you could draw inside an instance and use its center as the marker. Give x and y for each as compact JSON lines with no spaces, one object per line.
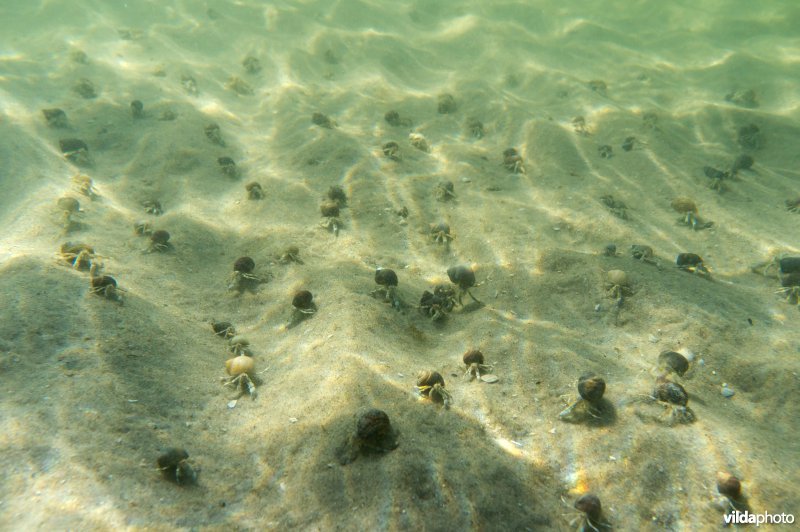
{"x":746,"y":518}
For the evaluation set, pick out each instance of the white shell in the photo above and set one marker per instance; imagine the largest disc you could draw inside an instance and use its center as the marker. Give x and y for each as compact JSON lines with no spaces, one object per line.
{"x":232,"y":404}
{"x":490,"y":378}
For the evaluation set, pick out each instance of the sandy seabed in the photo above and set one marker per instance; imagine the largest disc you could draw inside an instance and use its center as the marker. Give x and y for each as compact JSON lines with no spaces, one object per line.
{"x":94,"y":390}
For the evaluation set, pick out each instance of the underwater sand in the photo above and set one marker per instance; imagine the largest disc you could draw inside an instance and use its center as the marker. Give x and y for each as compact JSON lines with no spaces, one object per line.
{"x":93,"y":391}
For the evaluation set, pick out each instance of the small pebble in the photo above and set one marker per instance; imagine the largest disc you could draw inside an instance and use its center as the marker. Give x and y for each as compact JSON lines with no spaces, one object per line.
{"x":727,"y":392}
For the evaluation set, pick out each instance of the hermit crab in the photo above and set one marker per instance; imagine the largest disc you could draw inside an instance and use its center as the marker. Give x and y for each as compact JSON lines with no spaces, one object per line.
{"x":243,"y":277}
{"x":464,"y":277}
{"x":591,"y":389}
{"x":693,"y":263}
{"x":440,"y":234}
{"x":476,"y":366}
{"x":174,"y":466}
{"x":688,"y":211}
{"x":387,"y":281}
{"x":79,"y":256}
{"x":241,"y":369}
{"x":675,"y":399}
{"x":430,"y":384}
{"x":437,"y":304}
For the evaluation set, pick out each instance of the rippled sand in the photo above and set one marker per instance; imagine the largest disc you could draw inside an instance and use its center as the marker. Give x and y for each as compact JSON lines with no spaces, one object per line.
{"x":94,"y":390}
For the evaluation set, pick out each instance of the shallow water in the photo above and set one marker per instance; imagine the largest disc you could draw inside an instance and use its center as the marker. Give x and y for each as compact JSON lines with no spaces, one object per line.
{"x":95,"y":388}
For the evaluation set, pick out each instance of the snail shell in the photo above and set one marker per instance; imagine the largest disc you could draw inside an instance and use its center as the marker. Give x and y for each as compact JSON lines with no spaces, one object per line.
{"x":671,"y":392}
{"x":473,"y":356}
{"x":101,"y":282}
{"x":244,"y":265}
{"x":590,"y":505}
{"x":683,"y":205}
{"x":68,"y":204}
{"x":329,"y":209}
{"x":728,"y":485}
{"x":463,"y":276}
{"x":385,"y":277}
{"x":673,"y":361}
{"x":159,"y":237}
{"x":617,"y":277}
{"x":337,"y":194}
{"x":591,"y":387}
{"x":223,"y":328}
{"x":303,"y":300}
{"x":429,"y":378}
{"x":789,"y":265}
{"x":239,"y":365}
{"x":374,"y":432}
{"x":689,"y":259}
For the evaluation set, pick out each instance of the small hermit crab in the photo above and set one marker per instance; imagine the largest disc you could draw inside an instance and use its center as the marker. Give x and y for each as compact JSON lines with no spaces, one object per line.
{"x":254,"y":191}
{"x":174,"y":466}
{"x":79,"y":256}
{"x":790,"y":287}
{"x":617,"y":285}
{"x":793,"y":204}
{"x":693,"y":263}
{"x":591,"y":513}
{"x":445,"y":191}
{"x":152,"y":206}
{"x":85,"y":185}
{"x":387,"y":281}
{"x":437,"y":304}
{"x":419,"y":142}
{"x":673,"y":396}
{"x":330,"y":212}
{"x":223,"y":329}
{"x":241,"y":368}
{"x":323,"y":120}
{"x":142,"y":229}
{"x":672,"y":362}
{"x":688,"y":210}
{"x":159,"y":242}
{"x":591,"y":389}
{"x":440,"y":234}
{"x":391,"y":150}
{"x":430,"y":384}
{"x":474,"y":361}
{"x":239,"y":345}
{"x":464,"y":277}
{"x":512,"y":161}
{"x":70,"y":214}
{"x":228,"y":167}
{"x":290,"y":254}
{"x":303,"y":307}
{"x":475,"y":128}
{"x":337,"y":194}
{"x":243,"y":277}
{"x":106,"y":286}
{"x":643,"y":253}
{"x":374,"y":434}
